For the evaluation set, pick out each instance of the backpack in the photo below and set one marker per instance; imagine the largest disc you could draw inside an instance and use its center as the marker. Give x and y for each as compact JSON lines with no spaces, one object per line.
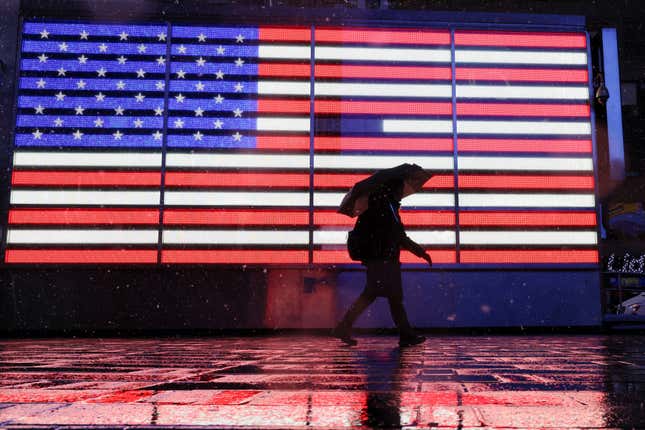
{"x":370,"y":239}
{"x":358,"y":242}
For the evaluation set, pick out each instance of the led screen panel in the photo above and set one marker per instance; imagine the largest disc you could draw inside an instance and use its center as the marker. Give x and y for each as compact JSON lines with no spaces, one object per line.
{"x":198,"y":144}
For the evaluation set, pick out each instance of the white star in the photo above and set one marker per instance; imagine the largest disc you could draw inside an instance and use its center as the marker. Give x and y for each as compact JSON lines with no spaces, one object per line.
{"x":237,"y":136}
{"x":217,"y":123}
{"x":98,"y":122}
{"x":239,"y":38}
{"x":121,"y":59}
{"x":218,"y":99}
{"x":41,"y":83}
{"x":160,"y":85}
{"x":101,"y":72}
{"x":199,"y":86}
{"x":181,"y":49}
{"x":219,"y":74}
{"x":161,"y":61}
{"x":239,"y":87}
{"x":138,"y":123}
{"x":239,"y":62}
{"x":79,"y":110}
{"x":220,"y":50}
{"x":81,"y":84}
{"x":62,"y":47}
{"x":60,"y":96}
{"x":157,"y":135}
{"x":141,"y":73}
{"x":158,"y":111}
{"x":82,"y":59}
{"x":117,"y":135}
{"x":84,"y":35}
{"x":42,"y":58}
{"x":238,"y":112}
{"x":180,"y":98}
{"x":123,"y":36}
{"x":58,"y":122}
{"x":142,"y":48}
{"x":61,"y":71}
{"x":161,"y":36}
{"x":179,"y":123}
{"x":77,"y":135}
{"x":139,"y":97}
{"x":44,"y":34}
{"x":199,"y":111}
{"x":37,"y":134}
{"x":181,"y":74}
{"x":201,"y":37}
{"x":198,"y":135}
{"x":120,"y":85}
{"x":103,"y":47}
{"x":39,"y":110}
{"x":119,"y":110}
{"x":100,"y":97}
{"x":200,"y":62}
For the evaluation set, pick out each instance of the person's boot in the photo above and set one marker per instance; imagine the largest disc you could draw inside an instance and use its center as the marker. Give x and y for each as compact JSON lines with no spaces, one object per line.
{"x":344,"y":334}
{"x":411,"y":339}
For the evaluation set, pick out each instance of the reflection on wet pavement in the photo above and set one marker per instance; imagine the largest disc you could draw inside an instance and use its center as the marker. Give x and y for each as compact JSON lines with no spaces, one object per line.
{"x":314,"y":381}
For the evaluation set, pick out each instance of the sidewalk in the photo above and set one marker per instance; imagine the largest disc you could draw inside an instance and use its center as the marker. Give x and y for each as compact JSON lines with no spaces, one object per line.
{"x":313,"y":381}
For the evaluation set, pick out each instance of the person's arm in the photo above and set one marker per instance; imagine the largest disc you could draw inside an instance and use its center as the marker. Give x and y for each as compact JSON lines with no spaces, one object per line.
{"x":414,"y":247}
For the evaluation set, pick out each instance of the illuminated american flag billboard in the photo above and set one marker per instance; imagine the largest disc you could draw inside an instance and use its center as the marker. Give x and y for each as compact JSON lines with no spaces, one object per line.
{"x":235,"y":144}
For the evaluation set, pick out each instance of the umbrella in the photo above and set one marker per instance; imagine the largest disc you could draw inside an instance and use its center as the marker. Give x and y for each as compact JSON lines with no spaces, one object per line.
{"x":355,"y":201}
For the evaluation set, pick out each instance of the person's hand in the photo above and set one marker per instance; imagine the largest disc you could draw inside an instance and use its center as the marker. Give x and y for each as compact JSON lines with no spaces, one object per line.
{"x":427,"y":258}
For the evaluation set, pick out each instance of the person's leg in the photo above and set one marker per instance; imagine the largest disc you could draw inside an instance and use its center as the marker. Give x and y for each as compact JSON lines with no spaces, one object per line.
{"x":355,"y":310}
{"x":400,"y":316}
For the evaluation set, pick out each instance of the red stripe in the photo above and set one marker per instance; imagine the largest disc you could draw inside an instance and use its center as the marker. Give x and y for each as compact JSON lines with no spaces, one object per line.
{"x":374,"y":36}
{"x":529,"y":219}
{"x":85,"y":179}
{"x":529,"y":257}
{"x":292,"y":70}
{"x":382,"y":144}
{"x":338,"y":180}
{"x":341,"y":257}
{"x":283,"y":106}
{"x":235,"y":217}
{"x":381,"y":72}
{"x":523,"y":109}
{"x":526,"y":182}
{"x":521,"y":75}
{"x":80,"y":256}
{"x":409,"y":218}
{"x":383,"y":108}
{"x":83,"y":216}
{"x":233,"y":256}
{"x":282,"y":142}
{"x":524,"y":145}
{"x":295,"y":34}
{"x":521,"y":39}
{"x":237,"y":180}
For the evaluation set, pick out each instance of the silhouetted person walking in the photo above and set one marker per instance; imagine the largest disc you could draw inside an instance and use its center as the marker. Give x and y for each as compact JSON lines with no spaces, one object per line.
{"x":386,"y":238}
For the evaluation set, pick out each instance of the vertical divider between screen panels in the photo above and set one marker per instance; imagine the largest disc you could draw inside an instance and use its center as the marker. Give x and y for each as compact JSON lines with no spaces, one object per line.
{"x":455,"y":150}
{"x":594,"y":143}
{"x":164,"y":142}
{"x":312,"y":123}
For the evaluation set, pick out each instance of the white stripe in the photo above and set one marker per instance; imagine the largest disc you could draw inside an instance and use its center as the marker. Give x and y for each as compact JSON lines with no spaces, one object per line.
{"x":490,"y":56}
{"x":242,"y":161}
{"x":83,"y":236}
{"x":526,"y":200}
{"x":235,"y":198}
{"x":296,"y":88}
{"x":524,"y":163}
{"x":434,"y":237}
{"x":416,"y":126}
{"x":375,"y":162}
{"x":522,"y":127}
{"x":83,"y":197}
{"x":415,"y":200}
{"x":87,"y":159}
{"x":528,"y":237}
{"x":359,"y":89}
{"x":236,"y":237}
{"x":382,"y":54}
{"x":521,"y":92}
{"x":283,"y":124}
{"x":284,"y":51}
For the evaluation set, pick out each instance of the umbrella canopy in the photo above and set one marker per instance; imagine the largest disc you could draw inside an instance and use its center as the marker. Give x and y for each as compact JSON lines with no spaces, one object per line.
{"x":356,"y":200}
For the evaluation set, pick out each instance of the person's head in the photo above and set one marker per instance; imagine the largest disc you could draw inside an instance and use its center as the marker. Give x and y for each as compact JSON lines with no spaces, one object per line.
{"x":395,"y":190}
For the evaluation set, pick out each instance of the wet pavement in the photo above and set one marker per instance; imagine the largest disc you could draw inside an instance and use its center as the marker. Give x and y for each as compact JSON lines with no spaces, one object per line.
{"x":299,"y":381}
